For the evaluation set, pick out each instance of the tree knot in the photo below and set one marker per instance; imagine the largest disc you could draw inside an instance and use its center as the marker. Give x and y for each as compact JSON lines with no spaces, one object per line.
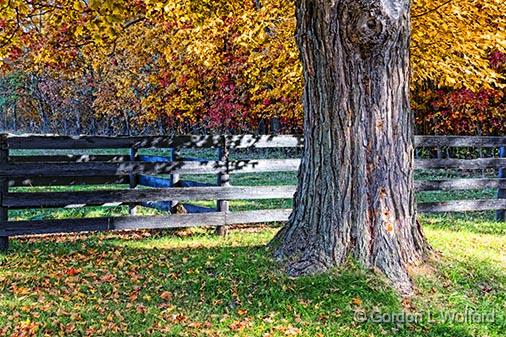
{"x":371,"y":25}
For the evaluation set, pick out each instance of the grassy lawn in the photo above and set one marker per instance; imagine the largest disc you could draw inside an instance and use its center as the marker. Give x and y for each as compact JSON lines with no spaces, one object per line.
{"x":201,"y":285}
{"x":197,"y":284}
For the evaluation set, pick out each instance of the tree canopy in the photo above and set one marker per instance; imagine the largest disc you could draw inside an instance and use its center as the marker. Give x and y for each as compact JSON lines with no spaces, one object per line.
{"x":220,"y":63}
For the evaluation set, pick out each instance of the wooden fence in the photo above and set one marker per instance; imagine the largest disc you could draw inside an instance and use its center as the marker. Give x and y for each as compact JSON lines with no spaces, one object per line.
{"x":137,"y":170}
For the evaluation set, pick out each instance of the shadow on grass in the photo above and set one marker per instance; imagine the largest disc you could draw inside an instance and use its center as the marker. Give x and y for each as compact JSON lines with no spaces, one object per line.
{"x":192,"y":286}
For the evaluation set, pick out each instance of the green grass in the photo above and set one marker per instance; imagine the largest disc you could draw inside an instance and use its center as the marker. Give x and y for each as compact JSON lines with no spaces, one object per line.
{"x":158,"y":284}
{"x":202,"y":285}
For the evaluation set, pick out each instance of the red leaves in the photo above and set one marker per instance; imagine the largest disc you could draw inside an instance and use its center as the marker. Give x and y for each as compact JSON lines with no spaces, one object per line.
{"x":73,"y":272}
{"x":227,"y":105}
{"x":108,"y":278}
{"x":459,"y":112}
{"x":15,"y":53}
{"x":497,"y":60}
{"x":134,"y":294}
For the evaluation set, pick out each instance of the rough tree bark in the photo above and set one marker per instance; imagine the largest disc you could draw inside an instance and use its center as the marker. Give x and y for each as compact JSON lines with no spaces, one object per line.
{"x":355,"y":195}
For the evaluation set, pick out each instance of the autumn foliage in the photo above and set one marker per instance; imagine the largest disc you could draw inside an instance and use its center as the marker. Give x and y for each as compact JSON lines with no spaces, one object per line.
{"x":199,"y":65}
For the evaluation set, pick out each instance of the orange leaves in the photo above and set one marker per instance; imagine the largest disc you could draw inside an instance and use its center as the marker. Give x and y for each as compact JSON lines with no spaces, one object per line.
{"x":357,"y":301}
{"x":240,"y":325}
{"x":20,"y":291}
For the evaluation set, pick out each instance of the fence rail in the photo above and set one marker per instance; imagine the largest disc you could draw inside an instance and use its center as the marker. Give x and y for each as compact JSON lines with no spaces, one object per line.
{"x":25,"y":169}
{"x":48,"y":142}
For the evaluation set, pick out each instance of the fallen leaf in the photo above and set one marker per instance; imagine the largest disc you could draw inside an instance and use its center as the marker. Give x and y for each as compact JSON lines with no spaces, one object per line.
{"x":166,"y":295}
{"x":72,"y":271}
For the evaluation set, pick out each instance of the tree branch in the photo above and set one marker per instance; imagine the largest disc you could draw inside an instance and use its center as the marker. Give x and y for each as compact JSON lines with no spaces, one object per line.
{"x":133,"y":22}
{"x":432,"y":10}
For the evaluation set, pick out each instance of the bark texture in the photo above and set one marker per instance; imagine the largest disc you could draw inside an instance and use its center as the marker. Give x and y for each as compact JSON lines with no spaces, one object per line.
{"x":355,"y":194}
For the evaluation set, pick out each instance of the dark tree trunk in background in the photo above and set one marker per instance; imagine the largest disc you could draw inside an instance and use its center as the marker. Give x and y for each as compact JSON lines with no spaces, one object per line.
{"x":355,"y":194}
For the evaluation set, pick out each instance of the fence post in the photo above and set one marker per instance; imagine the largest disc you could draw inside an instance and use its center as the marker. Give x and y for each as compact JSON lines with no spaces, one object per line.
{"x":133,"y":180}
{"x":4,"y":188}
{"x":174,"y":178}
{"x":501,"y":193}
{"x":223,"y":180}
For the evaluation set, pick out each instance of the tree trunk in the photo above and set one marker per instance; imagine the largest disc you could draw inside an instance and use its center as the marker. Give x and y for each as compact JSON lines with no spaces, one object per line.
{"x":355,"y":195}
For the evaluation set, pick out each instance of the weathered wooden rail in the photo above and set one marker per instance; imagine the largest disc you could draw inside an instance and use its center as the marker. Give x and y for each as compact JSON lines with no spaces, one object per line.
{"x":143,"y":188}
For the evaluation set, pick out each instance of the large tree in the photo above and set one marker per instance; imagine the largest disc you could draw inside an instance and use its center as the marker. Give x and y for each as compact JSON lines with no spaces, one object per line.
{"x":355,"y":194}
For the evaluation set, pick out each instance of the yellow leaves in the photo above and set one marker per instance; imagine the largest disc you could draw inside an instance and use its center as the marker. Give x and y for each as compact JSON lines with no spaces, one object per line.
{"x":79,"y":32}
{"x":77,"y":6}
{"x":94,"y":4}
{"x":26,"y":329}
{"x":457,"y":29}
{"x":168,"y":7}
{"x":155,"y":43}
{"x":449,"y":80}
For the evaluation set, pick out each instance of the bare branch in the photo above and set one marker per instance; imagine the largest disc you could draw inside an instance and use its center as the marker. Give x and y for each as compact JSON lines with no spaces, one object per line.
{"x":432,"y":10}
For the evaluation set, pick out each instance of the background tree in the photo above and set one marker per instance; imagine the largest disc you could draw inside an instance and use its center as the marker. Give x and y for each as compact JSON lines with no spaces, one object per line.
{"x":201,"y":66}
